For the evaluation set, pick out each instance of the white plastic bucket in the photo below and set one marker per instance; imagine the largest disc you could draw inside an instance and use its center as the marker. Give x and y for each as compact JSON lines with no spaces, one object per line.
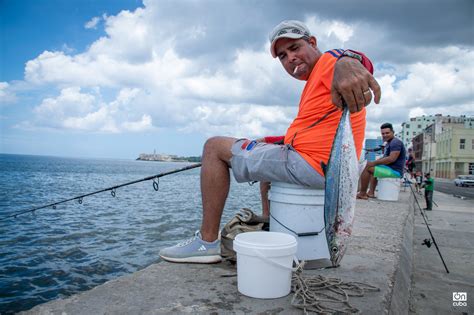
{"x":264,"y":263}
{"x":300,"y":209}
{"x":388,"y":189}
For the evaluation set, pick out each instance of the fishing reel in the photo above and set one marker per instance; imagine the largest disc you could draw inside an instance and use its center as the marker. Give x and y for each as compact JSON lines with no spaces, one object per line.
{"x":427,"y":242}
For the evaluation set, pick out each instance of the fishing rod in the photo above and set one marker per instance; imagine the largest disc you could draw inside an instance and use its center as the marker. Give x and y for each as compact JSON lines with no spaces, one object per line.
{"x":427,"y":242}
{"x":112,"y":189}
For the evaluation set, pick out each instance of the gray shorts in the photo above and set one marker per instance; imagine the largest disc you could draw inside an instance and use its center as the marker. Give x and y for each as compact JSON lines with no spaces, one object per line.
{"x":267,"y":162}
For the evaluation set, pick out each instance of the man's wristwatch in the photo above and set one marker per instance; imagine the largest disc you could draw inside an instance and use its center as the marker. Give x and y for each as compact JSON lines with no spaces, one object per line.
{"x":351,"y":54}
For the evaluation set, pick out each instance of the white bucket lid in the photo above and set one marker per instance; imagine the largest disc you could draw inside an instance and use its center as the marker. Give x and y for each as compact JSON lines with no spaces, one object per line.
{"x":270,"y":244}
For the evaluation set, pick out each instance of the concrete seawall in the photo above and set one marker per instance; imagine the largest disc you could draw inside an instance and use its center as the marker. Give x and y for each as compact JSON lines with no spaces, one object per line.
{"x":380,"y":253}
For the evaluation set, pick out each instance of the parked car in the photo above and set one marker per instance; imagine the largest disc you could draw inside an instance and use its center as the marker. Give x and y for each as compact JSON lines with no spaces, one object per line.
{"x":464,"y":180}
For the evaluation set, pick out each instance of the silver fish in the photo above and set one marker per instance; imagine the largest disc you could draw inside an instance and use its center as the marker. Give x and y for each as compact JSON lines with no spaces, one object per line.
{"x":342,"y":176}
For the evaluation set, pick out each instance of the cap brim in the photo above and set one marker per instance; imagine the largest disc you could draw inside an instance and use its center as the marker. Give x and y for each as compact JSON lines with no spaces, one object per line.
{"x":287,"y":35}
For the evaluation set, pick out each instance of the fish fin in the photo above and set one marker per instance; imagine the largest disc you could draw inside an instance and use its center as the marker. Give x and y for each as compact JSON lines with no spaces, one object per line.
{"x":324,"y":167}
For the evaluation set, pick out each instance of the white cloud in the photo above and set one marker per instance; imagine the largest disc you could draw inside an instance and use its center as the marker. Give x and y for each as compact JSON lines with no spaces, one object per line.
{"x":70,"y":103}
{"x":240,"y":120}
{"x":153,"y":86}
{"x":330,"y":33}
{"x":92,"y":24}
{"x":144,"y":124}
{"x":90,"y":69}
{"x":433,"y":84}
{"x":99,"y":120}
{"x":6,"y":94}
{"x":416,"y":112}
{"x":66,"y":49}
{"x":426,"y":89}
{"x":74,"y":109}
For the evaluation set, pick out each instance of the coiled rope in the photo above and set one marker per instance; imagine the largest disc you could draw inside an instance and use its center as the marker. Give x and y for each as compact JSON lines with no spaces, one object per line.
{"x":326,"y":295}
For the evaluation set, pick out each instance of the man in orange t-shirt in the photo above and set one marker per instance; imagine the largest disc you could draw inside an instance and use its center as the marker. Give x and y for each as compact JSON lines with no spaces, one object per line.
{"x":307,"y":142}
{"x":312,"y":132}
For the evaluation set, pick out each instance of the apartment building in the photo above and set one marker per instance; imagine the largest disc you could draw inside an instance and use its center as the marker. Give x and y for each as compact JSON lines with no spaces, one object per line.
{"x":429,"y":137}
{"x":418,"y":142}
{"x":455,"y":151}
{"x":416,"y":125}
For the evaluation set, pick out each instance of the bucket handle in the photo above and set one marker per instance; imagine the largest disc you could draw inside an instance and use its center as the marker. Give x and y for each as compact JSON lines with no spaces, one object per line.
{"x":297,"y":234}
{"x":295,"y":260}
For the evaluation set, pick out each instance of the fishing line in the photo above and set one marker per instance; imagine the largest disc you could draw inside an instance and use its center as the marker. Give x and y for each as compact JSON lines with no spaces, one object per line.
{"x":113,"y":189}
{"x":427,"y":241}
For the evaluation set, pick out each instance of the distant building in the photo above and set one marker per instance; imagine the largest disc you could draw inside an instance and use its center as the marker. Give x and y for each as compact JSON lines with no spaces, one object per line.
{"x":416,"y":125}
{"x":372,"y":144}
{"x":455,"y":151}
{"x":418,"y":151}
{"x":428,"y":159}
{"x":167,"y":157}
{"x":157,"y":157}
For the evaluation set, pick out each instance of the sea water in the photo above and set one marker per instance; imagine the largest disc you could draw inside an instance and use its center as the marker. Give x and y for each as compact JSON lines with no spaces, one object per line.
{"x":54,"y":253}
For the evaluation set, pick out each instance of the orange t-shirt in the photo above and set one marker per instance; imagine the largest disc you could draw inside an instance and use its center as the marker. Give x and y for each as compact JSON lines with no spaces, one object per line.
{"x":315,"y":143}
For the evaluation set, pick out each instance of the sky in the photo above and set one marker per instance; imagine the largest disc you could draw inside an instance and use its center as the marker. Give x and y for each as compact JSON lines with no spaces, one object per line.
{"x":116,"y":78}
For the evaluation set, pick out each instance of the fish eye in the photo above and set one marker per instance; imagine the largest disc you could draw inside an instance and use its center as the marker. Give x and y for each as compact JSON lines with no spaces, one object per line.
{"x":334,"y":249}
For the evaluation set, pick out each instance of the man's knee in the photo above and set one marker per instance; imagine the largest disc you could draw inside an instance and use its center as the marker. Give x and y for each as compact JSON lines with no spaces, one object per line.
{"x":219,"y":146}
{"x":369,"y":170}
{"x":211,"y":144}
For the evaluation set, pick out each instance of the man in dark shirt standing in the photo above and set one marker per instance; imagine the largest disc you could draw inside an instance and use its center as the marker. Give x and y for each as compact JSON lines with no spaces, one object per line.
{"x":391,"y":165}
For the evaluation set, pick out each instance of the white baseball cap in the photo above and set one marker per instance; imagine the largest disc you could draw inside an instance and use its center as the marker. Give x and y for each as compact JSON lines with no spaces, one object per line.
{"x":288,"y":29}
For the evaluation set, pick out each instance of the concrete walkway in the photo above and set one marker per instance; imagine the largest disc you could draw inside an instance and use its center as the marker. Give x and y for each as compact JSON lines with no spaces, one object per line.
{"x":452,"y":224}
{"x":380,"y":254}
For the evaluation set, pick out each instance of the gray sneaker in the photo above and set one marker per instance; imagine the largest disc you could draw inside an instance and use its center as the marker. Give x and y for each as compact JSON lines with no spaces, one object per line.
{"x":193,"y":250}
